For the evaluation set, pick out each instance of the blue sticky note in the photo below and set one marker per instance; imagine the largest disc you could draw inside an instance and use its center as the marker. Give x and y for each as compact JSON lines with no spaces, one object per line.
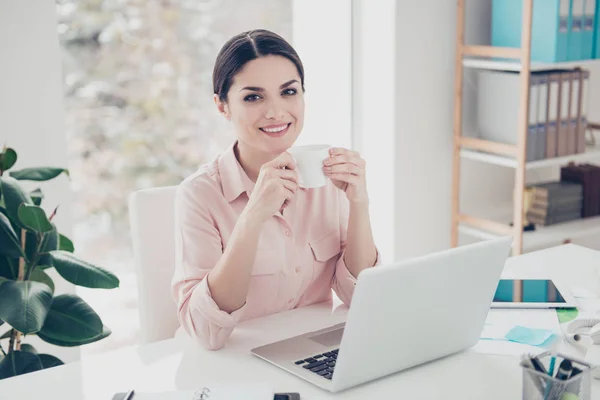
{"x":531,"y":336}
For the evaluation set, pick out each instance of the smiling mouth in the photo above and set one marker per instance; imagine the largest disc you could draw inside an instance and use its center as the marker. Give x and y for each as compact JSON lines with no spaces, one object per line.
{"x":276,"y":130}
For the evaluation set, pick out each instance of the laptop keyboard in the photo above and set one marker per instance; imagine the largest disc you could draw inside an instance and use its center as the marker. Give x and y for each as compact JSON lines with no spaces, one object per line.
{"x":320,"y":364}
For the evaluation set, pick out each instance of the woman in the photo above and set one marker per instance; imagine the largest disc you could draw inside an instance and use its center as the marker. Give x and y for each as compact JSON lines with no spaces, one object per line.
{"x":250,"y":242}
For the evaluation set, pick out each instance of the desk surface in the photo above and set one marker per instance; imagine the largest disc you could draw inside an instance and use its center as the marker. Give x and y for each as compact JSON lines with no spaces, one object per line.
{"x":180,"y":364}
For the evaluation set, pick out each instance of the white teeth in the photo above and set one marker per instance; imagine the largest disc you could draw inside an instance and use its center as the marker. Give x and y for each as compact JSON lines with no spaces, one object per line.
{"x":275,"y":130}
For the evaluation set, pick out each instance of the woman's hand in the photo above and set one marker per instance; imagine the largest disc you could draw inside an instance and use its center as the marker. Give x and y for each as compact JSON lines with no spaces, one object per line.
{"x":277,"y":183}
{"x":346,"y":169}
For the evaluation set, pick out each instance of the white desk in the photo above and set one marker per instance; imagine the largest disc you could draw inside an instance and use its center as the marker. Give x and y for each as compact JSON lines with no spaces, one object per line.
{"x":179,"y":364}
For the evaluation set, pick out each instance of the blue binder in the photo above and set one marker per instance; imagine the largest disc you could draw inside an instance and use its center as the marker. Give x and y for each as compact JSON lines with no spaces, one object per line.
{"x":587,"y":36}
{"x":549,"y":32}
{"x":575,"y":40}
{"x":596,"y":40}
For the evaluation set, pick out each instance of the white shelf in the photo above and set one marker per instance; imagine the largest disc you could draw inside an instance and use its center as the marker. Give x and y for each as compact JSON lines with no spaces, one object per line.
{"x":591,"y":153}
{"x":514,"y":65}
{"x":543,"y":236}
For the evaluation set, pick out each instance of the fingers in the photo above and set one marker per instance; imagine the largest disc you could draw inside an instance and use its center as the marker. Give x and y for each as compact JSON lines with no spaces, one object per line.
{"x":270,"y":172}
{"x":286,"y":174}
{"x":292,"y":187}
{"x":345,"y":177}
{"x":284,"y":160}
{"x":346,"y":168}
{"x":343,"y":156}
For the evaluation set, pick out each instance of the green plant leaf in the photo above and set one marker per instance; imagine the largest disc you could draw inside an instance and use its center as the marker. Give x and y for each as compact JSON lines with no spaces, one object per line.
{"x":9,"y":158}
{"x":9,"y":267}
{"x":50,"y":244}
{"x":9,"y":241}
{"x":49,"y":361}
{"x":6,"y":335}
{"x":65,"y":244}
{"x":37,"y":196}
{"x":73,"y":343}
{"x":28,"y":348}
{"x":82,"y":273}
{"x":34,"y":218}
{"x":38,"y":173}
{"x":19,"y":363}
{"x":24,"y":305}
{"x":1,"y":322}
{"x":13,"y":196}
{"x":70,"y":320}
{"x":38,"y":275}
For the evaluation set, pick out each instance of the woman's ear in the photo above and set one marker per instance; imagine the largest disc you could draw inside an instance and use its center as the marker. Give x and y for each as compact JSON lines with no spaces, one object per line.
{"x":222,"y":107}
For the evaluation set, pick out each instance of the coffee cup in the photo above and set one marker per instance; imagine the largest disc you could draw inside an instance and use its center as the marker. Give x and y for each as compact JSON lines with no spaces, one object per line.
{"x":309,"y":164}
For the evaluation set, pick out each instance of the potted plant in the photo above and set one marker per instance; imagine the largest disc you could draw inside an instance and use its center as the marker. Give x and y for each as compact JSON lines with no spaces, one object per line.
{"x":30,"y":244}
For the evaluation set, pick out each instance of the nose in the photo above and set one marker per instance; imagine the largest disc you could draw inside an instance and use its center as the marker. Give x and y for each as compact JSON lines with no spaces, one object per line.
{"x":274,"y":110}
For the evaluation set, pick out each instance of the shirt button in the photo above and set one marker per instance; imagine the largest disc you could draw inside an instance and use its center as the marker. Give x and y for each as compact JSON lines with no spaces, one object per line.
{"x":297,"y":270}
{"x":288,"y":233}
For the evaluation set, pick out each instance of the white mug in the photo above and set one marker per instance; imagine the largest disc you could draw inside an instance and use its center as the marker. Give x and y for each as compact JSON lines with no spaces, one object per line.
{"x":309,"y":163}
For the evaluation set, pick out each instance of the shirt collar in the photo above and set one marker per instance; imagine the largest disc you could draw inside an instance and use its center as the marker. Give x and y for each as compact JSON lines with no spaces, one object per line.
{"x":234,"y":179}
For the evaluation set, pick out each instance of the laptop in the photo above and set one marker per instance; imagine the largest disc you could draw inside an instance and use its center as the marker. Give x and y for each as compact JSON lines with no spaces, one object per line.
{"x":402,"y":315}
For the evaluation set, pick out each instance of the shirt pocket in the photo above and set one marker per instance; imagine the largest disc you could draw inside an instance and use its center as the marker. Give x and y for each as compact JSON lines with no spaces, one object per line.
{"x":324,"y":248}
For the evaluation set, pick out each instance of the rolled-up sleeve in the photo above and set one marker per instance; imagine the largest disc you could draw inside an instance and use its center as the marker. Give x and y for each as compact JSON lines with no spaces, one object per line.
{"x":344,"y":282}
{"x":198,"y":248}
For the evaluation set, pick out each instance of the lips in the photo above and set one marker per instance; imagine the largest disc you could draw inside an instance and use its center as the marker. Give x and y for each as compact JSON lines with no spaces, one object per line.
{"x":276,"y":130}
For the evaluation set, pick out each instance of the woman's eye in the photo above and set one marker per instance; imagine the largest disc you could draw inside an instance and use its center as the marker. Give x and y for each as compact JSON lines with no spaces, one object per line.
{"x":251,"y":98}
{"x":290,"y":92}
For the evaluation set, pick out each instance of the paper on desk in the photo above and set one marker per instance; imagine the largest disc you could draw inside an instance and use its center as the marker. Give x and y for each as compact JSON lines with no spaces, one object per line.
{"x":502,"y":322}
{"x":214,"y":392}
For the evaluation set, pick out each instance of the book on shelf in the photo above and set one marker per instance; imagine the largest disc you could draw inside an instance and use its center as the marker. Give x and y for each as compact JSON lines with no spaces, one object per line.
{"x":554,"y":219}
{"x":557,"y":110}
{"x":561,"y":30}
{"x":555,"y":202}
{"x":587,"y":35}
{"x":588,"y":176}
{"x":572,"y":207}
{"x":550,"y":190}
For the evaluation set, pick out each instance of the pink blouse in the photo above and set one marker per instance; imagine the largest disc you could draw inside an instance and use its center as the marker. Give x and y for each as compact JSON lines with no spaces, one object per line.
{"x":298,"y":261}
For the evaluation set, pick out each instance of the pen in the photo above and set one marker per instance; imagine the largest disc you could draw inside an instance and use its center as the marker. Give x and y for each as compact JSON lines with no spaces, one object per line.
{"x":129,"y":395}
{"x":537,"y":364}
{"x":537,"y":381}
{"x":565,"y":369}
{"x":551,"y":367}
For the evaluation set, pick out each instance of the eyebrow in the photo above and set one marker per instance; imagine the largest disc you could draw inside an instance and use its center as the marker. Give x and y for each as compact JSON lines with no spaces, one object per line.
{"x":259,"y":89}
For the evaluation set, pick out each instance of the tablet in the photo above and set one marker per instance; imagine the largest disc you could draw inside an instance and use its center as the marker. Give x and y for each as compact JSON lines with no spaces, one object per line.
{"x":537,"y":293}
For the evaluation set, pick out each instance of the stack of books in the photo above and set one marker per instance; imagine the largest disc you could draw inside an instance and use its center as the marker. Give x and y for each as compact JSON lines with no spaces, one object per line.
{"x":589,"y":176}
{"x":555,"y":202}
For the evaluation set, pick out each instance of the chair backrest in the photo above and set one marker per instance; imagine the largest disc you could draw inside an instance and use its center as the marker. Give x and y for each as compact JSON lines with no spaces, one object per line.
{"x":152,"y":218}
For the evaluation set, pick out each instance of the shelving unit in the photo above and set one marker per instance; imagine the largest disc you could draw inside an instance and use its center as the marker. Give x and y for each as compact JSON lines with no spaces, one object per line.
{"x":495,"y":220}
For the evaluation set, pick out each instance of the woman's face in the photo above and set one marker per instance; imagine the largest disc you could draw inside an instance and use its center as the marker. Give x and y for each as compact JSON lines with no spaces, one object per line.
{"x":266,"y":104}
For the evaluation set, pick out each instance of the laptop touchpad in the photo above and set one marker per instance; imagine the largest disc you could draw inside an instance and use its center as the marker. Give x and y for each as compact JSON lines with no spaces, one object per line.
{"x":329,"y":339}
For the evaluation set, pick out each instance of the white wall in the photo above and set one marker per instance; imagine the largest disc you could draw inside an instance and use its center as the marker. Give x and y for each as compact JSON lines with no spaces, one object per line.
{"x":373,"y":114}
{"x":322,"y":37}
{"x":31,"y":109}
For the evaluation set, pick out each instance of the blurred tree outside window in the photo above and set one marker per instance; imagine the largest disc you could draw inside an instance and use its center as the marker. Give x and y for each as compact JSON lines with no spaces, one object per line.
{"x":140,"y":113}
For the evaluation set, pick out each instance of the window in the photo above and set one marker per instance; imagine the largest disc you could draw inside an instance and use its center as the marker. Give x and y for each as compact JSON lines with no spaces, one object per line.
{"x":139,"y":113}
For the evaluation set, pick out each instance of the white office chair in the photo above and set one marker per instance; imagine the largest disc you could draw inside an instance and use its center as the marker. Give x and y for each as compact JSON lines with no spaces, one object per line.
{"x":152,"y":218}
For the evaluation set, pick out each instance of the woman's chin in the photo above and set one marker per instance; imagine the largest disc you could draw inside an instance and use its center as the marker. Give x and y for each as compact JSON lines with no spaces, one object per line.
{"x":281,"y":144}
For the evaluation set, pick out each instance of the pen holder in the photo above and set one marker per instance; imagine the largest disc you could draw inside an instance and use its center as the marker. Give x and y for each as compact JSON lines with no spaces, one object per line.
{"x":540,"y":386}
